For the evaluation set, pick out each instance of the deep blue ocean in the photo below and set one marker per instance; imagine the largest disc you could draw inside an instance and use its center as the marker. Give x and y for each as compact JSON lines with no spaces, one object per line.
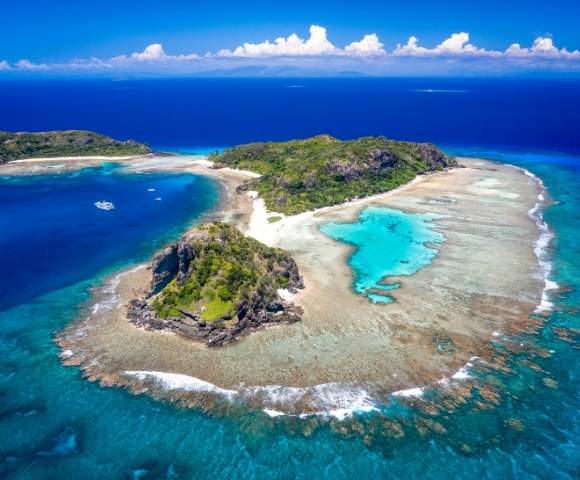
{"x":55,"y":245}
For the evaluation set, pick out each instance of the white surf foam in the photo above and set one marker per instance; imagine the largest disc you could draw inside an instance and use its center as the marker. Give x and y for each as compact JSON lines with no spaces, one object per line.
{"x":327,"y":400}
{"x":541,"y":246}
{"x":286,"y":294}
{"x":177,"y":381}
{"x":458,"y":376}
{"x":273,"y":413}
{"x":409,"y":392}
{"x":107,"y":296}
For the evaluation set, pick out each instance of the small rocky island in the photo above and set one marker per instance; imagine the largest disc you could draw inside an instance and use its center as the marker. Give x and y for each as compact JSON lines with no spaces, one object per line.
{"x":67,"y":143}
{"x":215,"y":284}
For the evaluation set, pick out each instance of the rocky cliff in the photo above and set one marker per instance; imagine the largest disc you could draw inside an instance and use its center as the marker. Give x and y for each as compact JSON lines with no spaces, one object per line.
{"x":216,"y":284}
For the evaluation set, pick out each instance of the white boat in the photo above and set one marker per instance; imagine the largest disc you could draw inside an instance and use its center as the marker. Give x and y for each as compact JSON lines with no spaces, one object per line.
{"x":104,"y":205}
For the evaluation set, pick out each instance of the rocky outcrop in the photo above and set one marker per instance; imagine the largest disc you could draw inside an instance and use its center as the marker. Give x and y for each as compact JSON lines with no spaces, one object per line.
{"x":217,"y":262}
{"x":251,"y":314}
{"x":172,"y":262}
{"x":435,"y":158}
{"x":353,"y":168}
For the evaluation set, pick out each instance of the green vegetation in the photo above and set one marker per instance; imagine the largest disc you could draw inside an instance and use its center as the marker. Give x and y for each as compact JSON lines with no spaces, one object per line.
{"x":302,"y":175}
{"x":274,"y":218}
{"x":221,"y":269}
{"x":20,"y":145}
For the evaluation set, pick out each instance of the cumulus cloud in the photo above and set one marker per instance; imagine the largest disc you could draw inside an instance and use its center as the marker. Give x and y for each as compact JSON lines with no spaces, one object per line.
{"x":154,"y":53}
{"x":456,"y":44}
{"x":25,"y":64}
{"x":318,"y":53}
{"x":542,"y":47}
{"x":293,"y":45}
{"x":369,"y":46}
{"x":316,"y":45}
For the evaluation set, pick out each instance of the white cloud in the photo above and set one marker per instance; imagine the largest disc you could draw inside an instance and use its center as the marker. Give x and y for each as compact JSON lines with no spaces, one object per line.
{"x":456,"y":44}
{"x":318,"y":53}
{"x":369,"y":46}
{"x":542,"y":47}
{"x":411,"y":48}
{"x":87,"y":64}
{"x":154,"y":53}
{"x":25,"y":64}
{"x":293,"y":45}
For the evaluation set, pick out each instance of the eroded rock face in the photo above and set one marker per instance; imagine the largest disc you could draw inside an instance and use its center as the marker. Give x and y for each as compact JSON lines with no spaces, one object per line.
{"x":352,"y":169}
{"x":172,"y":262}
{"x":164,"y":267}
{"x":435,"y":158}
{"x":254,"y":308}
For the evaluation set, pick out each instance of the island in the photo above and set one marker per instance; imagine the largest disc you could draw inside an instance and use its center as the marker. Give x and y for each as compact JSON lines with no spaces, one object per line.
{"x":258,"y":305}
{"x":68,"y":143}
{"x":215,"y":284}
{"x":302,"y":175}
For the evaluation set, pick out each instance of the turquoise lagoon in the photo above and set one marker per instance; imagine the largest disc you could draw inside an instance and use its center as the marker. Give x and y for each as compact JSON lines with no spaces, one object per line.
{"x":387,"y":243}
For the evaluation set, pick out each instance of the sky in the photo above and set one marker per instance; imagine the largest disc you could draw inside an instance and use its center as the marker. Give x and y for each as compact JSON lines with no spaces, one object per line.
{"x":177,"y":37}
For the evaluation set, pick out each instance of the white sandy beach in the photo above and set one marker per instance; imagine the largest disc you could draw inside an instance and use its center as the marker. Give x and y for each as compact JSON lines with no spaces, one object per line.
{"x":77,"y":159}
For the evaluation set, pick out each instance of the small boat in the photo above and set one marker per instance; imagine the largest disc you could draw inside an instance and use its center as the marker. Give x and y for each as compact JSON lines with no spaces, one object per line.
{"x":104,"y":205}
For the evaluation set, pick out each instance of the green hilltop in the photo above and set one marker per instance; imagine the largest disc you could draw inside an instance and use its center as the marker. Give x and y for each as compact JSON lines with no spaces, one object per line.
{"x":215,"y":284}
{"x":220,"y":267}
{"x":22,"y":145}
{"x":302,"y":175}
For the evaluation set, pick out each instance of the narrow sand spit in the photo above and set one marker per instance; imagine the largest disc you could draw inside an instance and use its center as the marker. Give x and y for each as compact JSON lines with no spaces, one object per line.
{"x":346,"y":353}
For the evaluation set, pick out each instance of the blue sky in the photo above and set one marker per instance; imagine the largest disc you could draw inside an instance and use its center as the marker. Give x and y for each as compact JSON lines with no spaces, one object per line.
{"x":55,"y":34}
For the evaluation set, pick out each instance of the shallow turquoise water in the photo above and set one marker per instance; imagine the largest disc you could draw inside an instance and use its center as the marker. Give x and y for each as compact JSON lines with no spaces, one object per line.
{"x":387,"y":243}
{"x":55,"y":425}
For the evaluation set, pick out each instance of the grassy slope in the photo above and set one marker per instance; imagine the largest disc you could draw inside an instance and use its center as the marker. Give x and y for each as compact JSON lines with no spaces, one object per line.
{"x":301,"y":175}
{"x":20,"y":145}
{"x":227,"y":268}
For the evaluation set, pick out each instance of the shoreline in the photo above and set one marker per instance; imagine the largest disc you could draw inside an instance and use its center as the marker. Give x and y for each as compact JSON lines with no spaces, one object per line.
{"x":268,"y":396}
{"x":78,"y":158}
{"x":542,"y":244}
